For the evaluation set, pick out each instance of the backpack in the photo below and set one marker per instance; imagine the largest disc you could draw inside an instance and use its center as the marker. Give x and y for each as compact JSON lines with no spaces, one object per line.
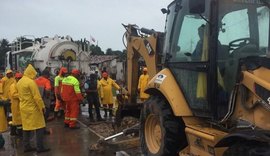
{"x":91,"y":83}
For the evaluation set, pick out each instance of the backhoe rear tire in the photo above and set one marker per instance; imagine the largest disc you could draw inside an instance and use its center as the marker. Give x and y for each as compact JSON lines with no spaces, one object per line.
{"x":161,"y":133}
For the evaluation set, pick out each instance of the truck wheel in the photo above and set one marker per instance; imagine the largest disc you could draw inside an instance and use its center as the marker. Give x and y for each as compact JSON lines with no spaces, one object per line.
{"x":161,"y":133}
{"x":248,"y":148}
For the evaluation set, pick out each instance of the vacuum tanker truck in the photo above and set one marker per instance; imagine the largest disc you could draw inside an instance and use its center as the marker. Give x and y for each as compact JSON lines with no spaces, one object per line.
{"x":51,"y":53}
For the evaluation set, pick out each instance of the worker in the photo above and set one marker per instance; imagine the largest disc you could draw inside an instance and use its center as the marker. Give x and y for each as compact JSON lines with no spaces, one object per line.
{"x":16,"y":125}
{"x":3,"y":120}
{"x":45,"y":87}
{"x":92,"y":87}
{"x":59,"y":104}
{"x":32,"y":110}
{"x":71,"y":94}
{"x":107,"y":99}
{"x":7,"y":81}
{"x":143,"y":81}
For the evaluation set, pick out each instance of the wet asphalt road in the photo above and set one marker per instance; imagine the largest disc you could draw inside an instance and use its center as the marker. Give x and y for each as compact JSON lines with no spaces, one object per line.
{"x":62,"y":141}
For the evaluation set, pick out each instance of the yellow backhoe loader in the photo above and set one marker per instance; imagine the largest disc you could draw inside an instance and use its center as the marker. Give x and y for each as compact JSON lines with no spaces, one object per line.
{"x":212,"y":96}
{"x":143,"y":50}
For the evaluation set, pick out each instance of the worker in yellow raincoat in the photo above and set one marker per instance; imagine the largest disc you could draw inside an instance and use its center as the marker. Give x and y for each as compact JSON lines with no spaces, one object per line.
{"x":143,"y":81}
{"x":16,"y":125}
{"x":7,"y":81}
{"x":3,"y":119}
{"x":107,"y":100}
{"x":32,"y":110}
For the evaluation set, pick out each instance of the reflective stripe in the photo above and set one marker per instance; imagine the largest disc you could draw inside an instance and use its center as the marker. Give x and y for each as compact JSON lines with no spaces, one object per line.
{"x":72,"y":81}
{"x":73,"y":119}
{"x":67,"y":118}
{"x":57,"y":80}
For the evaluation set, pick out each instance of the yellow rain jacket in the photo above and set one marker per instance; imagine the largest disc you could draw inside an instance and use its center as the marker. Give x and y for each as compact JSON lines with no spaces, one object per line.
{"x":3,"y":119}
{"x":15,"y":105}
{"x":107,"y":90}
{"x":31,"y":103}
{"x":7,"y":82}
{"x":100,"y":89}
{"x":143,"y":81}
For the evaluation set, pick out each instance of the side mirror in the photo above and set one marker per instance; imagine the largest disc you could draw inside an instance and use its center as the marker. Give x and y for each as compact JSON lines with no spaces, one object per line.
{"x":165,"y":11}
{"x":196,"y":6}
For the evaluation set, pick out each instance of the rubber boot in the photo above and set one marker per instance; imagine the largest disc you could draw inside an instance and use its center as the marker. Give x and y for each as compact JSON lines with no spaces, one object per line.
{"x":13,"y":130}
{"x":19,"y":131}
{"x":62,"y":113}
{"x":55,"y":114}
{"x":91,"y":118}
{"x":110,"y":113}
{"x":105,"y":113}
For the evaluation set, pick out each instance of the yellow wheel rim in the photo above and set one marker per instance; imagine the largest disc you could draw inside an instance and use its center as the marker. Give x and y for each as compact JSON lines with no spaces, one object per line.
{"x":153,"y":135}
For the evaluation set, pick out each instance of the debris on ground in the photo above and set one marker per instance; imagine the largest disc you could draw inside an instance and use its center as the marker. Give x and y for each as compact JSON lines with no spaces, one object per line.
{"x":106,"y":129}
{"x":128,"y":143}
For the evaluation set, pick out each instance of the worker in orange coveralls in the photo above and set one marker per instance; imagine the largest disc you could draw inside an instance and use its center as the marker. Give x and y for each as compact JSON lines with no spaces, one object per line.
{"x":71,"y":94}
{"x":59,"y":104}
{"x":16,"y":126}
{"x":44,"y":86}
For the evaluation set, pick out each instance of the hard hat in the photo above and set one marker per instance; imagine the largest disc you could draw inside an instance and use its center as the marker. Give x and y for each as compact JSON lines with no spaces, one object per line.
{"x":104,"y":74}
{"x":144,"y":69}
{"x":18,"y":75}
{"x":9,"y":71}
{"x":75,"y":72}
{"x":64,"y":69}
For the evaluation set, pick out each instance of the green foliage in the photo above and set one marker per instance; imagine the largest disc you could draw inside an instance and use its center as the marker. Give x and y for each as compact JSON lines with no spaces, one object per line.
{"x":96,"y":50}
{"x":121,"y":54}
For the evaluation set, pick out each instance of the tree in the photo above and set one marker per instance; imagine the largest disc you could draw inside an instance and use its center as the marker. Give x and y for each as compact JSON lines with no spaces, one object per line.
{"x":96,"y":50}
{"x":4,"y":48}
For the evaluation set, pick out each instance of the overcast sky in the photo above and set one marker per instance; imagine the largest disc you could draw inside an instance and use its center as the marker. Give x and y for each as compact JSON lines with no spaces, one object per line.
{"x":79,"y":18}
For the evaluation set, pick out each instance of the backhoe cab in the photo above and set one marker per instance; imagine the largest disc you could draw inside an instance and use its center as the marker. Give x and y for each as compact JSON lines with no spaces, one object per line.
{"x":213,"y":95}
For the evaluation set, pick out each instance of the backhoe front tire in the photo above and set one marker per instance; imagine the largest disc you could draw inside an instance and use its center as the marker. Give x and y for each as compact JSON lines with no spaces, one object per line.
{"x":161,"y":133}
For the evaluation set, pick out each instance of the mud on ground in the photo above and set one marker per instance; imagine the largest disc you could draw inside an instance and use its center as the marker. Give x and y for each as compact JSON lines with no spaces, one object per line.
{"x":128,"y":144}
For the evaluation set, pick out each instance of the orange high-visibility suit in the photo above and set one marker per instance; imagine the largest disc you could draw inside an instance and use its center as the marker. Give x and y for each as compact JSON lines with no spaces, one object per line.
{"x":57,"y":88}
{"x":44,"y":85}
{"x":71,"y":94}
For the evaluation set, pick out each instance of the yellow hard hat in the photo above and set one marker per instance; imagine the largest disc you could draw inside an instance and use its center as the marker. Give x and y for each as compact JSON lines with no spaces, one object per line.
{"x":9,"y":71}
{"x":144,"y":69}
